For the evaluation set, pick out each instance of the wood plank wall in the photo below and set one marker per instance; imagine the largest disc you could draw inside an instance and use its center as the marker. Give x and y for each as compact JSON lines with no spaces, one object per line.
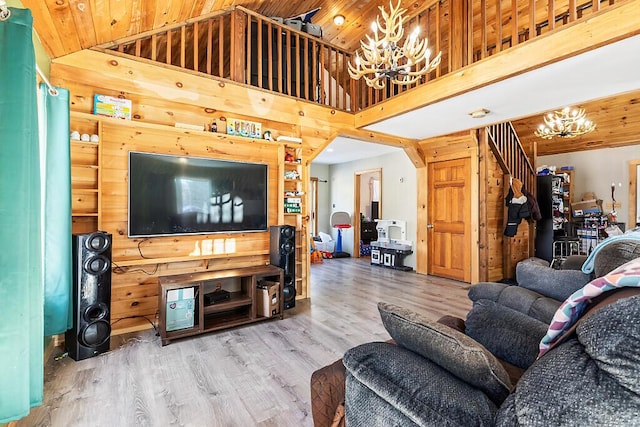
{"x":134,"y":287}
{"x":161,"y":98}
{"x":493,"y":210}
{"x":164,"y":97}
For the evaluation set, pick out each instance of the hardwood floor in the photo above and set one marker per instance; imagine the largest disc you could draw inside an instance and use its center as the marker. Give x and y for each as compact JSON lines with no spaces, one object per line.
{"x":256,"y":375}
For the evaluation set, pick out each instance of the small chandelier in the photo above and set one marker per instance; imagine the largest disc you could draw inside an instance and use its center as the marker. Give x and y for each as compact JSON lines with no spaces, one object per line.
{"x":566,"y":123}
{"x":384,"y":59}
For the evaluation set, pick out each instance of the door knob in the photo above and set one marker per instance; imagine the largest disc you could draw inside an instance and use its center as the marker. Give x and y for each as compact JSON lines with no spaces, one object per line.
{"x":429,"y":226}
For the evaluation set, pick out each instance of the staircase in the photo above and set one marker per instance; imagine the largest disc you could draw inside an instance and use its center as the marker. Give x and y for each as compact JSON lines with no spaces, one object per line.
{"x":506,"y":147}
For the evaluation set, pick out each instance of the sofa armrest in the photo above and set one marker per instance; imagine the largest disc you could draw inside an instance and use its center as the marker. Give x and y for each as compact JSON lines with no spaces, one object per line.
{"x":327,"y":393}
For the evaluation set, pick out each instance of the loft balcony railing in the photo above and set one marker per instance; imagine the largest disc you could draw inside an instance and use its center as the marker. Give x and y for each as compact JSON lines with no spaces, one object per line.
{"x":245,"y":47}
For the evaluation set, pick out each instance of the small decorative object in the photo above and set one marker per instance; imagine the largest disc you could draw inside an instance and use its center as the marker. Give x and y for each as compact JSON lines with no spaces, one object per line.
{"x":267,"y":135}
{"x":95,"y":138}
{"x":85,"y":137}
{"x":288,"y":157}
{"x":214,"y":127}
{"x":244,"y":128}
{"x":111,"y":106}
{"x":291,"y":175}
{"x":75,"y":135}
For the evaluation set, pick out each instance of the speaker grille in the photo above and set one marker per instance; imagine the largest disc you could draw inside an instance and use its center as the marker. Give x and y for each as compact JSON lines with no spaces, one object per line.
{"x":283,"y":255}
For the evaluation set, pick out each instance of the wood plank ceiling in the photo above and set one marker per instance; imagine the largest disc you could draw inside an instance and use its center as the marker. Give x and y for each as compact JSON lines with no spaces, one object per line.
{"x":66,"y":26}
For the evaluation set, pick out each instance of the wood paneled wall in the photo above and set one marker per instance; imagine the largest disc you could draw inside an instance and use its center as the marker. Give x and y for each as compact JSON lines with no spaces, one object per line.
{"x":161,"y":99}
{"x":498,"y":254}
{"x":140,"y":261}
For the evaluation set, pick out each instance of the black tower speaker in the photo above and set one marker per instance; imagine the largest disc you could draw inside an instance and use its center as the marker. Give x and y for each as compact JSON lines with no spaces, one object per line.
{"x":91,"y":330}
{"x":283,"y":255}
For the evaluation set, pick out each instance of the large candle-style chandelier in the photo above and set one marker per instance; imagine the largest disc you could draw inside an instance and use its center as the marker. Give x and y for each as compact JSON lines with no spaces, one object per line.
{"x":566,"y":123}
{"x":383,"y":58}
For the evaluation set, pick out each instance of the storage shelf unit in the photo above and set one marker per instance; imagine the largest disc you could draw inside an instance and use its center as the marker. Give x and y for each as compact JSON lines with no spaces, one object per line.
{"x":85,"y":191}
{"x":239,"y":309}
{"x":567,"y":191}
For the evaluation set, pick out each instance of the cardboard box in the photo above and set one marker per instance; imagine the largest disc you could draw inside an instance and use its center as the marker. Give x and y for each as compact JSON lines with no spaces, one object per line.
{"x":111,"y":106}
{"x":180,"y":309}
{"x":268,"y":298}
{"x":586,"y":207}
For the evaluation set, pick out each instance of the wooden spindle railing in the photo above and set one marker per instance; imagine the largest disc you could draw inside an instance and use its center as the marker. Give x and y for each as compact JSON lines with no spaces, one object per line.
{"x":511,"y":156}
{"x":246,"y":47}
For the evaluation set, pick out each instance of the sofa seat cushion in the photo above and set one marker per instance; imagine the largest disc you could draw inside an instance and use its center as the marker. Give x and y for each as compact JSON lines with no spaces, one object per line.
{"x":450,"y":349}
{"x":517,"y":298}
{"x":592,"y":378}
{"x":388,"y":385}
{"x":556,"y":284}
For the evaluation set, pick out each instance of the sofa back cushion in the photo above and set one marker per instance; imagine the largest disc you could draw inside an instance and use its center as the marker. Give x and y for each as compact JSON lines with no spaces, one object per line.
{"x":556,"y":284}
{"x":451,"y":350}
{"x":590,"y":379}
{"x":614,"y":255}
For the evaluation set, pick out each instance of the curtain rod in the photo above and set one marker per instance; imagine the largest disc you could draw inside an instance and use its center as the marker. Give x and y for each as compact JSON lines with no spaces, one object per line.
{"x":52,"y":90}
{"x":5,"y":13}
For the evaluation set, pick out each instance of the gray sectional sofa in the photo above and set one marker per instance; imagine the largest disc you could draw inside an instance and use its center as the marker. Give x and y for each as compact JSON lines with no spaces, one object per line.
{"x":484,"y":370}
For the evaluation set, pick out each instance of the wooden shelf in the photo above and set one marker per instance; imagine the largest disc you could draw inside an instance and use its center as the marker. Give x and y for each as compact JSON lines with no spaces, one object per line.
{"x":185,"y":258}
{"x":236,"y":299}
{"x":79,"y":142}
{"x":94,"y":214}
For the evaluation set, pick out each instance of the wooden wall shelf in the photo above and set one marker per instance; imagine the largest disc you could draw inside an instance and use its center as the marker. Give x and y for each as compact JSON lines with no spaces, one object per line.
{"x":186,"y":258}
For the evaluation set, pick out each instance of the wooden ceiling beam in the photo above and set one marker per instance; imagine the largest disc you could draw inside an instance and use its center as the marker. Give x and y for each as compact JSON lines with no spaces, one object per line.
{"x":410,"y":146}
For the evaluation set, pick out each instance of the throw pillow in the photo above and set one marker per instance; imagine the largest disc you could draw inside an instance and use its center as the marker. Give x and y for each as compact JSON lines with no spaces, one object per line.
{"x":457,"y":353}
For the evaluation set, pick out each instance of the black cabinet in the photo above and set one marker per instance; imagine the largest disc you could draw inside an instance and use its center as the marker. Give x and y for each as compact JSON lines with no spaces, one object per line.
{"x":550,"y":196}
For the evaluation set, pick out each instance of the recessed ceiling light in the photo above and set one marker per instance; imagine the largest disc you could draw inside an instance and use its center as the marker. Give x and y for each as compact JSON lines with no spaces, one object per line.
{"x":478,"y":114}
{"x":330,"y":150}
{"x":338,"y":20}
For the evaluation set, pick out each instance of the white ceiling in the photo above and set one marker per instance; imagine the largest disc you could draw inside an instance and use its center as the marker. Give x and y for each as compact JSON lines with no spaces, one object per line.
{"x":343,"y":150}
{"x":599,"y":73}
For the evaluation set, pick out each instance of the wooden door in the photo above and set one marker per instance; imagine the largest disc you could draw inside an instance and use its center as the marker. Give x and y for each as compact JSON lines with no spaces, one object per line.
{"x":449,"y":222}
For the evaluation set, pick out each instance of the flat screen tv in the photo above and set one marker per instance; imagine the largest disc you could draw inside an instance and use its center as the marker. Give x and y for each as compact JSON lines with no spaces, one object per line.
{"x":171,"y":195}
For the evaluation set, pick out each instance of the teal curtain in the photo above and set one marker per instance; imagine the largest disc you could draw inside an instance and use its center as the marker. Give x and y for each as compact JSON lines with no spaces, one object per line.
{"x":21,"y":291}
{"x":53,"y":117}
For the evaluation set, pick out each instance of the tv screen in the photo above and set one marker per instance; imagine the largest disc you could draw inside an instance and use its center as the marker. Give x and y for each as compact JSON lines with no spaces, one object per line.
{"x":171,"y":195}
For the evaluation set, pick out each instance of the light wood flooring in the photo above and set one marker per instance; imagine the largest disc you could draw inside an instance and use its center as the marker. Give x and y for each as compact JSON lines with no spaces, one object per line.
{"x":256,"y":375}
